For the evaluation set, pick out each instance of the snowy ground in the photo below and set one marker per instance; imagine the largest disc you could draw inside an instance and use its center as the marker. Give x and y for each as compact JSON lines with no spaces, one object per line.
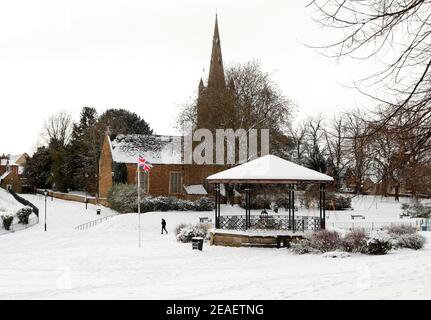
{"x":105,"y":262}
{"x":8,"y":205}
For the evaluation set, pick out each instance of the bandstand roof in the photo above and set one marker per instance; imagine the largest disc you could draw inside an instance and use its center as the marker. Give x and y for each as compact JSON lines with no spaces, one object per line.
{"x":269,"y":169}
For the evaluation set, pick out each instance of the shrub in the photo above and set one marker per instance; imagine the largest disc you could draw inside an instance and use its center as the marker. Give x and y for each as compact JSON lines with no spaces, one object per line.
{"x":400,"y":229}
{"x":179,"y":227}
{"x":186,"y":233}
{"x":379,"y":243}
{"x":355,"y":241}
{"x":203,"y":204}
{"x":417,"y":210}
{"x":302,"y":246}
{"x":338,"y":201}
{"x":7,"y":221}
{"x":325,"y":240}
{"x":123,"y":198}
{"x":23,"y":215}
{"x":411,"y":241}
{"x":165,"y":203}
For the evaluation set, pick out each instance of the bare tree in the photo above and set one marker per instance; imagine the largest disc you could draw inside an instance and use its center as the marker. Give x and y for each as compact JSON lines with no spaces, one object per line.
{"x":357,"y":130}
{"x":397,"y":33}
{"x":315,"y":144}
{"x":57,"y":129}
{"x":298,"y":139}
{"x":337,"y":147}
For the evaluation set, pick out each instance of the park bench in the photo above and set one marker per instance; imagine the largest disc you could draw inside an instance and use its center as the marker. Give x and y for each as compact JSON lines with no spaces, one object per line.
{"x":204,"y":220}
{"x":357,"y":216}
{"x":404,"y":215}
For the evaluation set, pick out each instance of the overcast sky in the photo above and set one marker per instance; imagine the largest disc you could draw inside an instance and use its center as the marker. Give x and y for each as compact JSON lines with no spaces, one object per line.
{"x":148,"y":57}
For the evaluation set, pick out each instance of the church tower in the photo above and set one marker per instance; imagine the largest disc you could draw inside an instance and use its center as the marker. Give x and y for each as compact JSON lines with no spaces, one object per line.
{"x":215,"y":101}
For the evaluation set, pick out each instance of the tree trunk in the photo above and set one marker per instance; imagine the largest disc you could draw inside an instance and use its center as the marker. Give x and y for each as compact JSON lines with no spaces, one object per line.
{"x":397,"y":192}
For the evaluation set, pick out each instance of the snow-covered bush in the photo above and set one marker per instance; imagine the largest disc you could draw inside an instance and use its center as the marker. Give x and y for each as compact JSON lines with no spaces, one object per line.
{"x":23,"y":214}
{"x":186,"y":233}
{"x":379,"y":243}
{"x":165,"y":203}
{"x":355,"y":241}
{"x":412,"y":241}
{"x":123,"y":198}
{"x":417,"y":210}
{"x":400,"y":229}
{"x":179,"y":227}
{"x":203,"y":204}
{"x":7,"y":221}
{"x":302,"y":246}
{"x":358,"y":241}
{"x":325,"y":240}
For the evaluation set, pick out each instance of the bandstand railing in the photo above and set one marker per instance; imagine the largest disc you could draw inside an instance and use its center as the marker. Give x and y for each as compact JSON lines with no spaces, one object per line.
{"x":270,"y":222}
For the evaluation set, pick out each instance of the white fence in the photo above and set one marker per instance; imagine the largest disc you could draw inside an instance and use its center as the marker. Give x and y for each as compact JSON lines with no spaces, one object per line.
{"x":419,"y":224}
{"x":93,"y":223}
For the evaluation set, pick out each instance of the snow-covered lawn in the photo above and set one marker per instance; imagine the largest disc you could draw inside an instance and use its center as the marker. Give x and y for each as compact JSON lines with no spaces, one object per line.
{"x":105,"y":262}
{"x":8,"y":205}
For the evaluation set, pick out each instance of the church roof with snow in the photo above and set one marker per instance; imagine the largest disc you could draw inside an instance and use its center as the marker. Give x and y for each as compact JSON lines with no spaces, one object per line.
{"x":154,"y":148}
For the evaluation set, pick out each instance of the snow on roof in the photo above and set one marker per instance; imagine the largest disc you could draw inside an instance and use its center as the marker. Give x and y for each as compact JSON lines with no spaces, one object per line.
{"x":4,"y":175}
{"x":11,"y":161}
{"x":270,"y":167}
{"x":155,"y":149}
{"x":196,"y":189}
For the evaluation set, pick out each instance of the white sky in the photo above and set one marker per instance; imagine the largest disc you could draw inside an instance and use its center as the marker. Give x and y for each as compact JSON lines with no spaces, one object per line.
{"x":148,"y":57}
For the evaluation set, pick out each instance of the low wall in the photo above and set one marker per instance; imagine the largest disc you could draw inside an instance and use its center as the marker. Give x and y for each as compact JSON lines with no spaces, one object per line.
{"x":242,"y":240}
{"x":69,"y":197}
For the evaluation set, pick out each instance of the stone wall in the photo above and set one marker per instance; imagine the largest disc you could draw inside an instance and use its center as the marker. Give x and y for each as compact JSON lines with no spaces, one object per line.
{"x":242,"y":240}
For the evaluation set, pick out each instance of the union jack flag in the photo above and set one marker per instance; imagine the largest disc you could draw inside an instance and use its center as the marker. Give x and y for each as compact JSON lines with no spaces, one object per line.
{"x":144,"y":164}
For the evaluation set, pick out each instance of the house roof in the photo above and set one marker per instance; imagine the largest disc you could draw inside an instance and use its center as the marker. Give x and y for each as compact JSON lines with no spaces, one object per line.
{"x":15,"y":160}
{"x":155,"y":149}
{"x":269,"y":169}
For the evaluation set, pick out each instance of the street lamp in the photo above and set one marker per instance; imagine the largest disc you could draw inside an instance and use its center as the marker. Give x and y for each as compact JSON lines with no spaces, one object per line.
{"x":46,"y":195}
{"x":86,"y":192}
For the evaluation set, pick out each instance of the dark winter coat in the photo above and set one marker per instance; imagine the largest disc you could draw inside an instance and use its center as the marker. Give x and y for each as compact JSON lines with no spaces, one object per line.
{"x":163,"y":223}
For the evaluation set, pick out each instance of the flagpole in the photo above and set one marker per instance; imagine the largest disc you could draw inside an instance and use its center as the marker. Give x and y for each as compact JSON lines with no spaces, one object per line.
{"x":139,"y":205}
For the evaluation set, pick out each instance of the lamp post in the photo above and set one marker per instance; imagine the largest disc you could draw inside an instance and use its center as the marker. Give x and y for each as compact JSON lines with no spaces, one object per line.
{"x":46,"y":195}
{"x":86,"y":192}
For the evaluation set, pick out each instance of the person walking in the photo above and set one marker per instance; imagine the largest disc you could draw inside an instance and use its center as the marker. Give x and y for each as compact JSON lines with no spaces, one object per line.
{"x":164,"y":226}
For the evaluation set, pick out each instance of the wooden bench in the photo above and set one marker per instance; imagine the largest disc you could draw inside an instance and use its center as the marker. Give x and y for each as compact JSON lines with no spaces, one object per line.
{"x":357,"y":216}
{"x":404,"y":215}
{"x":204,"y":220}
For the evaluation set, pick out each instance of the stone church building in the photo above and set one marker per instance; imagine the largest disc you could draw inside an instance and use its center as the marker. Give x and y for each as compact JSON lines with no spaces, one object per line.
{"x":169,"y":175}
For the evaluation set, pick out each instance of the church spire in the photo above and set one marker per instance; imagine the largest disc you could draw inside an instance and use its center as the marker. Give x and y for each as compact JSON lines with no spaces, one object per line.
{"x":216,"y":73}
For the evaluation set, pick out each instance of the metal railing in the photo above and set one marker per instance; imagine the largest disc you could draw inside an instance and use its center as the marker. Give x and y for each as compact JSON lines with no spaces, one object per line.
{"x":17,"y":226}
{"x":420,"y":225}
{"x":270,"y":222}
{"x":93,"y":223}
